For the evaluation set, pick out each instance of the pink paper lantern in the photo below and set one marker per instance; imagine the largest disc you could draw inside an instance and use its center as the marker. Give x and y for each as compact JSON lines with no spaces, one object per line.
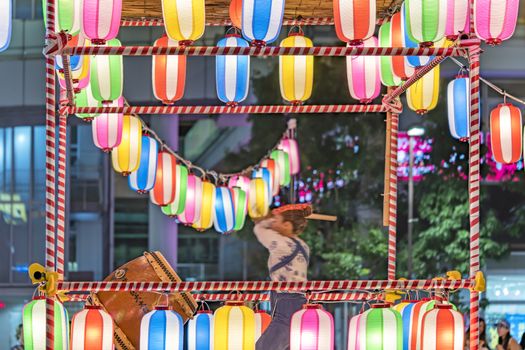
{"x":101,"y":20}
{"x":290,"y":146}
{"x":353,"y":333}
{"x":495,"y":20}
{"x":243,"y":182}
{"x":192,"y":210}
{"x":458,"y":18}
{"x":362,"y":72}
{"x":107,"y":128}
{"x":312,"y":328}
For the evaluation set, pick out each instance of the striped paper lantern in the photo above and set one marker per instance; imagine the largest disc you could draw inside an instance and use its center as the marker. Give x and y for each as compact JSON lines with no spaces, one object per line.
{"x":458,"y":18}
{"x":414,"y":61}
{"x":161,"y":329}
{"x":258,"y":204}
{"x":192,"y":208}
{"x":224,"y":213}
{"x":199,"y":331}
{"x":143,"y":179}
{"x":34,"y":325}
{"x":262,"y":20}
{"x":426,"y":20}
{"x":101,"y":20}
{"x":290,"y":146}
{"x":442,"y":329}
{"x":355,"y":20}
{"x":92,"y":329}
{"x":181,"y":188}
{"x":506,"y":133}
{"x":362,"y":73}
{"x":399,"y":63}
{"x":75,"y":62}
{"x":405,"y":308}
{"x":234,"y":327}
{"x":207,"y":207}
{"x":264,"y":174}
{"x":312,"y":328}
{"x":241,"y":181}
{"x":235,"y":12}
{"x":184,"y":20}
{"x":423,"y":95}
{"x":67,"y":15}
{"x":107,"y":128}
{"x":6,"y":23}
{"x":415,"y":318}
{"x":495,"y":20}
{"x":296,"y":73}
{"x":353,"y":333}
{"x":126,"y":157}
{"x":388,"y":78}
{"x":232,"y":73}
{"x":85,"y":99}
{"x":283,"y":163}
{"x":107,"y":72}
{"x":240,"y":204}
{"x":262,"y":321}
{"x":169,"y":73}
{"x":380,"y":328}
{"x":275,"y":176}
{"x":458,"y":101}
{"x":163,"y":192}
{"x":80,"y":78}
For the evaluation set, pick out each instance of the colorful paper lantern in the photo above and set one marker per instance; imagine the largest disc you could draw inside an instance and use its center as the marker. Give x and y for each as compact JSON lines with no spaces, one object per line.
{"x":163,"y":192}
{"x":262,"y":321}
{"x":92,"y":329}
{"x":426,"y":20}
{"x":143,"y":179}
{"x":405,"y":308}
{"x":234,"y":327}
{"x":275,"y":176}
{"x":107,"y":74}
{"x":85,"y":99}
{"x":169,"y":73}
{"x":458,"y":100}
{"x":162,"y":329}
{"x":443,"y":329}
{"x":458,"y":18}
{"x":240,"y":204}
{"x":6,"y":23}
{"x":354,"y":341}
{"x":75,"y":62}
{"x":506,"y":133}
{"x":296,"y":73}
{"x":192,"y":208}
{"x":423,"y":95}
{"x":400,"y":64}
{"x":207,"y":207}
{"x":415,"y":318}
{"x":181,"y":187}
{"x":67,"y":15}
{"x":290,"y":146}
{"x":283,"y":163}
{"x":34,"y":325}
{"x":224,"y":213}
{"x":101,"y":20}
{"x":184,"y":20}
{"x":232,"y":73}
{"x":312,"y":328}
{"x":80,"y":78}
{"x":388,"y":78}
{"x":414,"y":61}
{"x":262,"y":20}
{"x":235,"y":12}
{"x":264,"y":174}
{"x":495,"y":20}
{"x":258,"y":204}
{"x":107,"y":128}
{"x":362,"y":73}
{"x":241,"y":181}
{"x":380,"y":328}
{"x":126,"y":156}
{"x":355,"y":20}
{"x":199,"y":331}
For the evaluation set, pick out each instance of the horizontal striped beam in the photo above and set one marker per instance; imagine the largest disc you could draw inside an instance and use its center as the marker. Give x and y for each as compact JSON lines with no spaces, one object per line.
{"x":158,"y":22}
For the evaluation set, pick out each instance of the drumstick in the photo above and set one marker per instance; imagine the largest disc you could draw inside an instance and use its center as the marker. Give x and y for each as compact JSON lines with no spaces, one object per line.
{"x":322,"y":217}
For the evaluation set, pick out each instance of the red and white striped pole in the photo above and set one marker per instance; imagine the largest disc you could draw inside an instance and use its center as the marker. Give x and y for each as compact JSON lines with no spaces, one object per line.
{"x":392,"y":197}
{"x":61,"y":193}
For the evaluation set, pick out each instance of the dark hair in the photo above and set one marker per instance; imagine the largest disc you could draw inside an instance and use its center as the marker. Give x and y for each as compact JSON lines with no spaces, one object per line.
{"x":296,"y":218}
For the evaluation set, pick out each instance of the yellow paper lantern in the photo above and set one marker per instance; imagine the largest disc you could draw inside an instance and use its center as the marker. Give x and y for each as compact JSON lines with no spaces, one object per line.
{"x":184,"y":20}
{"x":234,"y":327}
{"x":424,"y":94}
{"x":126,"y":157}
{"x":207,"y":207}
{"x":258,"y":201}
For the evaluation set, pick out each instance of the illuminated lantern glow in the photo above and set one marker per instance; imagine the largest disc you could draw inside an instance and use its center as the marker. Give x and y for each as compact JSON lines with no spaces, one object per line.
{"x":235,"y":12}
{"x":388,"y":78}
{"x":283,"y":163}
{"x":312,"y":328}
{"x":6,"y":23}
{"x":414,"y":61}
{"x":355,"y":20}
{"x":126,"y":157}
{"x":240,"y":203}
{"x":184,"y":20}
{"x":415,"y":318}
{"x":67,"y":15}
{"x":423,"y":95}
{"x":207,"y":207}
{"x":143,"y":180}
{"x":442,"y":329}
{"x":296,"y":73}
{"x":405,"y":308}
{"x":163,"y":192}
{"x":505,"y":133}
{"x":107,"y":75}
{"x":34,"y":325}
{"x":275,"y":176}
{"x":264,"y":174}
{"x":199,"y":331}
{"x":495,"y":20}
{"x":101,"y":20}
{"x":181,"y":187}
{"x":426,"y":20}
{"x":458,"y":18}
{"x":290,"y":146}
{"x":192,"y":208}
{"x":258,"y":204}
{"x":169,"y":73}
{"x":91,"y":329}
{"x":80,"y":78}
{"x":85,"y":99}
{"x":107,"y":128}
{"x":380,"y":328}
{"x":232,"y":73}
{"x":234,"y":327}
{"x":362,"y":73}
{"x":399,"y":63}
{"x":458,"y":100}
{"x":224,"y":213}
{"x":262,"y":20}
{"x":243,"y":182}
{"x":161,"y":329}
{"x":353,"y":333}
{"x":262,"y":321}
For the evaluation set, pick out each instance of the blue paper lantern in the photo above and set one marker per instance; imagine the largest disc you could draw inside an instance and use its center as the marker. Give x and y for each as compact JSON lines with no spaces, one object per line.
{"x":262,"y":20}
{"x":414,"y":61}
{"x":224,"y":213}
{"x":161,"y":329}
{"x":232,"y":73}
{"x":199,"y":331}
{"x":458,"y":100}
{"x":6,"y":22}
{"x":264,"y":174}
{"x":143,"y":179}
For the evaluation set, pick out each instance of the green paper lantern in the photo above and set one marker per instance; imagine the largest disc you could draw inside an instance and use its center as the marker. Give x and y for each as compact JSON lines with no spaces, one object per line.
{"x":181,"y":185}
{"x":67,"y":15}
{"x":426,"y":20}
{"x":388,"y":78}
{"x":85,"y":99}
{"x":240,"y":205}
{"x":107,"y":78}
{"x":283,"y":162}
{"x":34,"y":325}
{"x":380,"y":328}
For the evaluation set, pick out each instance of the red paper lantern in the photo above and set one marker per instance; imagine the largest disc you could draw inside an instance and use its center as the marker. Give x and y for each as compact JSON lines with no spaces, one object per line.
{"x":506,"y":133}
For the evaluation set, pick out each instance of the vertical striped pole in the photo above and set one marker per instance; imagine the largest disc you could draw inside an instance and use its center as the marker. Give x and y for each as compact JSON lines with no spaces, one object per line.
{"x":392,"y":196}
{"x":61,"y":191}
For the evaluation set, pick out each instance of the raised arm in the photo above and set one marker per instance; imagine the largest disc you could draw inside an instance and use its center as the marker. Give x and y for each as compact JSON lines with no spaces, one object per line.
{"x":265,"y":235}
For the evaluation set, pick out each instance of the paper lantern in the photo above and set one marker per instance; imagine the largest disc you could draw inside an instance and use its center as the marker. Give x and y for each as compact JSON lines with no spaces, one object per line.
{"x":506,"y":133}
{"x":290,"y":146}
{"x":355,"y":20}
{"x":426,"y":20}
{"x":388,"y":78}
{"x":240,"y":181}
{"x":414,"y":61}
{"x":312,"y":328}
{"x":264,"y":174}
{"x":107,"y":128}
{"x":423,"y":95}
{"x":283,"y":163}
{"x":169,"y":73}
{"x":380,"y":328}
{"x":353,"y":333}
{"x":126,"y":156}
{"x":235,"y":12}
{"x":184,"y":20}
{"x":163,"y":192}
{"x":405,"y":308}
{"x":224,"y":213}
{"x":234,"y":327}
{"x":442,"y":329}
{"x":6,"y":23}
{"x":101,"y":20}
{"x":296,"y":73}
{"x":262,"y":20}
{"x":80,"y":78}
{"x":92,"y":329}
{"x":275,"y":176}
{"x":258,"y":204}
{"x":75,"y":62}
{"x":262,"y":321}
{"x":67,"y":15}
{"x":192,"y":208}
{"x":232,"y":73}
{"x":85,"y":99}
{"x":458,"y":100}
{"x":362,"y":73}
{"x":413,"y":315}
{"x":143,"y":179}
{"x":181,"y":187}
{"x":199,"y":331}
{"x":34,"y":325}
{"x":207,"y":207}
{"x":458,"y":18}
{"x":495,"y":20}
{"x":161,"y":329}
{"x":240,"y":204}
{"x":400,"y":64}
{"x":107,"y":75}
